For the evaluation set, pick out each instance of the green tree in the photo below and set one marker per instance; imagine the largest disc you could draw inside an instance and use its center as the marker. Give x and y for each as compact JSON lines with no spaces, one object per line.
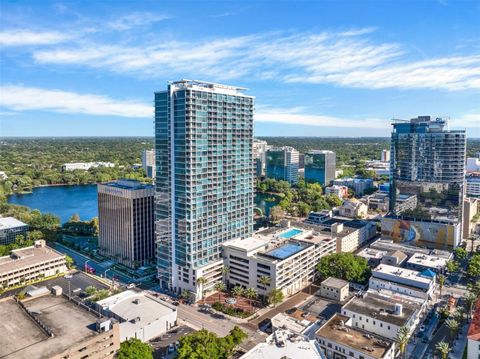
{"x":443,"y":348}
{"x":237,"y":291}
{"x":251,"y":294}
{"x":460,"y":254}
{"x":403,"y":337}
{"x":453,"y":325}
{"x":441,"y":283}
{"x":344,"y":266}
{"x":69,"y":261}
{"x":90,"y":290}
{"x":470,"y":300}
{"x":264,"y":281}
{"x":473,"y":269}
{"x":452,"y":266}
{"x":276,"y":214}
{"x":200,"y":283}
{"x":134,"y":348}
{"x":219,"y":287}
{"x":275,"y":296}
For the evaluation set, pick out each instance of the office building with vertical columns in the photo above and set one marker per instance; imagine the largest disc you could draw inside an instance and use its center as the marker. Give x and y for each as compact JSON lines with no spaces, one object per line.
{"x":204,"y":179}
{"x":126,"y":222}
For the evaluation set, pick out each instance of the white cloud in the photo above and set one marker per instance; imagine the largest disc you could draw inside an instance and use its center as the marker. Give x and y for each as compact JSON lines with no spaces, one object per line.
{"x":27,"y":37}
{"x":20,"y":98}
{"x":136,"y":19}
{"x":348,"y":58}
{"x":297,"y":116}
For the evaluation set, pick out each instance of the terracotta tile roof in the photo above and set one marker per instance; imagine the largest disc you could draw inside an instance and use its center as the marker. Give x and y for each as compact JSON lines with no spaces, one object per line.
{"x":474,"y":329}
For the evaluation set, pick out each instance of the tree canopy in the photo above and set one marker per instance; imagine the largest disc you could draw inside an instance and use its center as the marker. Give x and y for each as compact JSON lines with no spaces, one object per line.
{"x":344,"y":266}
{"x":134,"y":349}
{"x":207,"y":345}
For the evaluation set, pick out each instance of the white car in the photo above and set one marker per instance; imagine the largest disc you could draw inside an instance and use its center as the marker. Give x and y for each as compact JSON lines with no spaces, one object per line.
{"x":68,"y":276}
{"x":171,"y":348}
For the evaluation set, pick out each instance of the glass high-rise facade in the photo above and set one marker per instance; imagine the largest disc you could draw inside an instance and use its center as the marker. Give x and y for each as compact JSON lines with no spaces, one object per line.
{"x":320,"y":167}
{"x":427,"y":181}
{"x":204,"y":176}
{"x":282,"y":164}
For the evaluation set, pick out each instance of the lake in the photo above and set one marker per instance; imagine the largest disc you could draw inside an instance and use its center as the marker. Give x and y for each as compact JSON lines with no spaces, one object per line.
{"x":65,"y":201}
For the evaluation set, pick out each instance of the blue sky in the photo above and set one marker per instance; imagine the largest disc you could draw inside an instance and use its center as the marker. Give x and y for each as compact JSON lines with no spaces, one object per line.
{"x":334,"y":68}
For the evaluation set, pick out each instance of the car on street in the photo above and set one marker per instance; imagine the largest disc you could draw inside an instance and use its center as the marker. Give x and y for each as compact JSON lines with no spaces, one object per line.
{"x":176,"y":303}
{"x":171,"y":348}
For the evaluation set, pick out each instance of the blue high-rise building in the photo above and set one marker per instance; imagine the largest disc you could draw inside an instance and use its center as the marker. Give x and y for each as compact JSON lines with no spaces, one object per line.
{"x":204,"y":179}
{"x":320,"y":167}
{"x":282,"y":164}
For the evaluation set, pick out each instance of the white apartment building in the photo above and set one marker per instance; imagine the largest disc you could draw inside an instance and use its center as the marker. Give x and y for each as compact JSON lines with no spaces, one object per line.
{"x":339,"y":338}
{"x":421,"y":262}
{"x":339,"y":191}
{"x":385,"y":156}
{"x":30,"y":264}
{"x":383,"y":313}
{"x":141,"y":315}
{"x":148,"y":162}
{"x":287,"y":256}
{"x":404,"y":281}
{"x":351,"y":235}
{"x":85,"y":165}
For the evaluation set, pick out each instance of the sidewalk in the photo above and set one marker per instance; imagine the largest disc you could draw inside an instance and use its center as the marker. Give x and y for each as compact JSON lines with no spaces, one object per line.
{"x":460,"y":343}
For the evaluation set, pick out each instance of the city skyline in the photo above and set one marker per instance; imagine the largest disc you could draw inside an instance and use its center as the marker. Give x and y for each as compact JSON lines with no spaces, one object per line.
{"x":317,"y":70}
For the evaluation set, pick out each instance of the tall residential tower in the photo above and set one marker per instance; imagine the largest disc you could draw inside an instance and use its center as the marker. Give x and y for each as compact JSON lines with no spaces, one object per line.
{"x":427,"y":173}
{"x":282,"y":163}
{"x":204,"y":179}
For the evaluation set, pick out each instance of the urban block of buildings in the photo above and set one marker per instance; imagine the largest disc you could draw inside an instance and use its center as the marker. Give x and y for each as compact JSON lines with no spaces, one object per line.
{"x":473,"y":334}
{"x":10,"y":228}
{"x":139,"y":314}
{"x":127,"y":222}
{"x":428,"y":162}
{"x":339,"y":338}
{"x":85,"y":166}
{"x":282,"y":163}
{"x":402,"y":280}
{"x":383,"y":312}
{"x":52,"y":327}
{"x":320,"y":166}
{"x":30,"y":264}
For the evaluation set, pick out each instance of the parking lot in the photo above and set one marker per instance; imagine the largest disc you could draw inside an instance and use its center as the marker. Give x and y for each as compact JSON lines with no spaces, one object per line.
{"x":164,"y":345}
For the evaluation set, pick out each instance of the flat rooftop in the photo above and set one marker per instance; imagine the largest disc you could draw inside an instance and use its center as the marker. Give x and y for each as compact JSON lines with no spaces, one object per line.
{"x":334,"y":282}
{"x":381,"y":307}
{"x":22,"y":338}
{"x":10,"y":222}
{"x":128,"y":184}
{"x":365,"y":342}
{"x":130,"y":305}
{"x":27,"y":257}
{"x":408,"y":274}
{"x":428,"y":261}
{"x":285,"y":344}
{"x":371,"y":253}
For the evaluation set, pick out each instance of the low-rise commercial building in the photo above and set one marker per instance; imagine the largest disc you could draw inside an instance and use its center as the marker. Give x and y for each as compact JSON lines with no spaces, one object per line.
{"x":378,"y":201}
{"x":85,"y":166}
{"x":339,"y":191}
{"x":319,"y":217}
{"x":141,"y":315}
{"x":359,"y":185}
{"x":30,"y":264}
{"x":334,"y":288}
{"x":285,"y":344}
{"x":298,"y":322}
{"x":409,"y":250}
{"x":338,"y":338}
{"x":373,"y":256}
{"x":52,"y":327}
{"x":473,"y":335}
{"x":353,"y":208}
{"x":10,"y":228}
{"x":383,"y":312}
{"x":287,"y":256}
{"x":421,"y":262}
{"x":394,"y":258}
{"x":404,"y":281}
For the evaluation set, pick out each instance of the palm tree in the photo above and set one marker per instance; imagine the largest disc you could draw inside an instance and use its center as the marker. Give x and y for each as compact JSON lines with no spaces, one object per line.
{"x":470,"y":299}
{"x":201,"y":282}
{"x":453,"y":325}
{"x":265,"y":281}
{"x":251,"y":294}
{"x":275,"y":296}
{"x":219,"y":287}
{"x":237,"y":291}
{"x":443,"y":348}
{"x":441,"y":282}
{"x":403,"y":336}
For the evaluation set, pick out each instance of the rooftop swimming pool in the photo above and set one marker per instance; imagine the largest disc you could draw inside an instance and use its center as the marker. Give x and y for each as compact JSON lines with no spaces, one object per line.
{"x":285,"y":250}
{"x":291,"y":233}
